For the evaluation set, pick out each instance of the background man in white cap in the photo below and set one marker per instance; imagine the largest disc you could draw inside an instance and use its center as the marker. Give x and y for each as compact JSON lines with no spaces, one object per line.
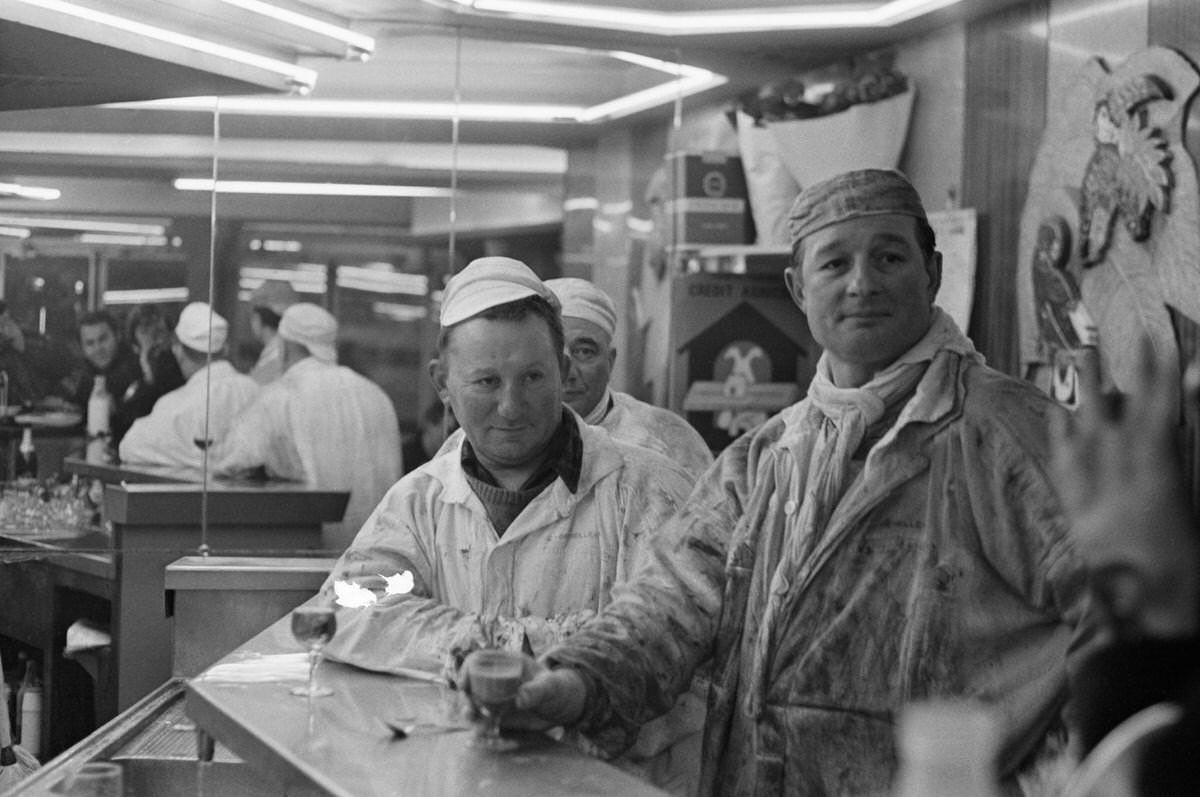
{"x":894,"y":536}
{"x":527,"y":521}
{"x":268,"y":302}
{"x":589,"y":322}
{"x":320,"y":423}
{"x":203,"y":409}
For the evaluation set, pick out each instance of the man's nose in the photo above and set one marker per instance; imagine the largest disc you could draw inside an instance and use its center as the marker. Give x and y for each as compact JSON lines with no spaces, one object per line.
{"x":511,"y":400}
{"x":862,"y":278}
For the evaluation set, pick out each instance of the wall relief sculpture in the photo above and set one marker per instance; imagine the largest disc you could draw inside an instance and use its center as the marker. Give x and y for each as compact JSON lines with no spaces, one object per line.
{"x":1110,"y":231}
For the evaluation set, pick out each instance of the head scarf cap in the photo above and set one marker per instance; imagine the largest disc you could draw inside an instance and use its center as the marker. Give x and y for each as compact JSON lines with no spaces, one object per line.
{"x":193,"y":328}
{"x":313,"y":327}
{"x":852,"y":195}
{"x":582,"y":299}
{"x":275,"y":295}
{"x":488,"y":282}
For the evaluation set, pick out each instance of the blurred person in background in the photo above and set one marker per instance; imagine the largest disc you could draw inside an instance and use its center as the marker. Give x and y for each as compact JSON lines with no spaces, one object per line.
{"x":433,"y":427}
{"x":150,"y":338}
{"x":268,"y":302}
{"x":320,"y":423}
{"x":105,"y":354}
{"x":590,"y":322}
{"x":196,"y":416}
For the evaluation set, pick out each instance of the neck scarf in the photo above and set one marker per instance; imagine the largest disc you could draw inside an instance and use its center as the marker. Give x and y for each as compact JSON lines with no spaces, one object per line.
{"x":600,"y":410}
{"x":844,"y":415}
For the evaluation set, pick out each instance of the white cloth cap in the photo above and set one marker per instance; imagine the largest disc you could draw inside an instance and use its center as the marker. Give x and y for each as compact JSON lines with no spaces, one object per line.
{"x":488,"y":282}
{"x":582,"y":299}
{"x":192,"y":329}
{"x":312,"y":326}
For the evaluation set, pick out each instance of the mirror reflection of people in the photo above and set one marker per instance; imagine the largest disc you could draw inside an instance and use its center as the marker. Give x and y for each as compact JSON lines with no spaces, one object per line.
{"x":590,"y":322}
{"x":105,"y":354}
{"x":1118,"y":468}
{"x":268,"y":302}
{"x":893,"y":536}
{"x":527,"y":522}
{"x":150,"y":339}
{"x":196,"y":416}
{"x":320,"y":423}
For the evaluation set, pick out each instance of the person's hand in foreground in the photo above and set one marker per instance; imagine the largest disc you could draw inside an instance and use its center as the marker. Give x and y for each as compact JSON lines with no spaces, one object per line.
{"x":547,"y":698}
{"x":1119,"y":474}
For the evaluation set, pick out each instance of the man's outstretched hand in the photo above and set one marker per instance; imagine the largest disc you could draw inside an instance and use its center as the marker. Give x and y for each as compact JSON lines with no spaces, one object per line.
{"x":547,"y":698}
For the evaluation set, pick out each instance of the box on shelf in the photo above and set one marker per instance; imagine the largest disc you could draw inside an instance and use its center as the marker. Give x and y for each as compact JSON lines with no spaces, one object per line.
{"x":708,"y":201}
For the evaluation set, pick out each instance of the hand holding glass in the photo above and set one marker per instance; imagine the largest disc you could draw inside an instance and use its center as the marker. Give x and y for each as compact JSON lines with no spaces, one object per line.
{"x":313,"y":626}
{"x":494,"y":677}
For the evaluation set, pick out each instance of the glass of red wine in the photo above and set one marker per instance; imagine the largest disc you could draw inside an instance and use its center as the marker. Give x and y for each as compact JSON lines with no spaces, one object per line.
{"x":495,"y":676}
{"x":313,"y":627}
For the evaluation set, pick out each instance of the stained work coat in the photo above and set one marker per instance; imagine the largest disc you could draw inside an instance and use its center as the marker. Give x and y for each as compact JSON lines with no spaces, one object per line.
{"x":553,"y":569}
{"x":659,"y":430}
{"x":944,"y":570}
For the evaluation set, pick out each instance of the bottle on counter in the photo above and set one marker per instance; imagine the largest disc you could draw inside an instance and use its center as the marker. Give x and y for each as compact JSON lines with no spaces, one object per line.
{"x":99,"y":420}
{"x":947,"y":749}
{"x":27,"y":461}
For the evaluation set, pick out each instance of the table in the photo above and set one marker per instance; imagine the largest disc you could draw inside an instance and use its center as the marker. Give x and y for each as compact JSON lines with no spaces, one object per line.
{"x":338,"y":745}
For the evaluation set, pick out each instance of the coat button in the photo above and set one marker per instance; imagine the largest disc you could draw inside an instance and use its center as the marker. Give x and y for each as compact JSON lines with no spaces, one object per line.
{"x":790,"y":507}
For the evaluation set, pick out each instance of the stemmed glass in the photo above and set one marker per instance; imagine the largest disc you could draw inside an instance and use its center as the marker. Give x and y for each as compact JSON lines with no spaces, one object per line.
{"x":313,"y":627}
{"x":495,"y":677}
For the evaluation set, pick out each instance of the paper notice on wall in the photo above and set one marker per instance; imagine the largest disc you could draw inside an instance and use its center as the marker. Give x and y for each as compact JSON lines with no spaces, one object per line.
{"x":955,"y":231}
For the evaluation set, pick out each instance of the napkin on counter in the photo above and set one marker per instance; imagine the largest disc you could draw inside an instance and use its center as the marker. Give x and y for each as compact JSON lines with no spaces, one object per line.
{"x":264,"y":668}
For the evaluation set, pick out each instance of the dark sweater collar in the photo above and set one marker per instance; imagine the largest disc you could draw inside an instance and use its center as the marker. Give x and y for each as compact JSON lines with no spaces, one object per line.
{"x":564,"y":459}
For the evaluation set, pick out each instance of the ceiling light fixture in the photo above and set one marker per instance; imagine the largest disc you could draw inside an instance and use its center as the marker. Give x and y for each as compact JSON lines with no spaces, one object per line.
{"x":711,"y":22}
{"x":84,"y":21}
{"x":111,"y":239}
{"x":86,"y":225}
{"x":16,"y":191}
{"x":360,"y":47}
{"x":307,"y":189}
{"x":15,"y":232}
{"x":146,"y":296}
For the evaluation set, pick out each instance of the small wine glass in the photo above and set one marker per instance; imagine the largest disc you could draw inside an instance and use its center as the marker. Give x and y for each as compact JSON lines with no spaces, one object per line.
{"x":495,"y":677}
{"x":313,"y":626}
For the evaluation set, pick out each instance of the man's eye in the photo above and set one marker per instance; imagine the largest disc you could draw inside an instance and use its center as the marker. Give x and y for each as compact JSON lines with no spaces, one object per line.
{"x":832,"y":265}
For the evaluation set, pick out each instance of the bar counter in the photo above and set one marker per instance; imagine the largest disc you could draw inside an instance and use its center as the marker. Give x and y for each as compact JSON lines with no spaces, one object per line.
{"x":113,"y":575}
{"x":338,"y":745}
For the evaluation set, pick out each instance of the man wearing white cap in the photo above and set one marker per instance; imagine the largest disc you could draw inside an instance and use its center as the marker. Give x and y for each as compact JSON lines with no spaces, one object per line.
{"x":894,"y":536}
{"x":268,"y":302}
{"x":523,"y":523}
{"x":320,"y":423}
{"x":197,"y":416}
{"x":590,"y":321}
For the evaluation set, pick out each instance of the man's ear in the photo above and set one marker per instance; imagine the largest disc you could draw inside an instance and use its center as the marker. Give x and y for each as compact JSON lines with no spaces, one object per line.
{"x":795,"y":285}
{"x":934,"y":269}
{"x":437,"y":375}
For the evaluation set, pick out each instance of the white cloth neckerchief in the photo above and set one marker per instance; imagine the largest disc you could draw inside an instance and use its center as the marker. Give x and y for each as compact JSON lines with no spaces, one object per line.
{"x":600,"y":410}
{"x":845,"y":415}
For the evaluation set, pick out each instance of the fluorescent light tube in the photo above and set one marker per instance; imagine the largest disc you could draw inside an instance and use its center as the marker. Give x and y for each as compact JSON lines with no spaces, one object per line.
{"x":360,"y":45}
{"x":307,"y":189}
{"x":87,"y":225}
{"x":745,"y":20}
{"x":145,"y":295}
{"x":15,"y":232}
{"x":121,"y":240}
{"x":17,"y":191}
{"x":299,"y":78}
